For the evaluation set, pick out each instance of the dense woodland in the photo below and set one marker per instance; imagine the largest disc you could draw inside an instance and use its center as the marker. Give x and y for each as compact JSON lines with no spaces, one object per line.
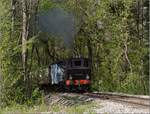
{"x":113,"y":34}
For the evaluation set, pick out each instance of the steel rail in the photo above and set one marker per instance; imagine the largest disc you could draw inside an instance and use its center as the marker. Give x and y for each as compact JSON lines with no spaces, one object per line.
{"x":132,"y":99}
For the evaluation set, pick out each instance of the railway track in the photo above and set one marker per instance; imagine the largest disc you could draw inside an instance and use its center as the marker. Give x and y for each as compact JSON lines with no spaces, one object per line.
{"x":125,"y":98}
{"x":67,"y":99}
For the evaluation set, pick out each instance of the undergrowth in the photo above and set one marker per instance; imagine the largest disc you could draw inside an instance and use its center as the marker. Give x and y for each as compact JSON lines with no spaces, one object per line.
{"x":77,"y":109}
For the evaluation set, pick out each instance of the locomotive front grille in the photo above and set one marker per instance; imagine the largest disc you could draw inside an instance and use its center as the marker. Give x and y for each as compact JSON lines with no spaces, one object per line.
{"x":77,"y":74}
{"x":77,"y":77}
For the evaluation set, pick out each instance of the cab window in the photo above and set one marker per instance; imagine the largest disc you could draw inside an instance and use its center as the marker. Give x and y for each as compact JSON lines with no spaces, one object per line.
{"x":77,"y":63}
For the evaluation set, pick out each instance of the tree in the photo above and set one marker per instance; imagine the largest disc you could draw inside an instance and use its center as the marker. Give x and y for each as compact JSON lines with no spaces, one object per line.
{"x":25,"y":32}
{"x":112,"y":34}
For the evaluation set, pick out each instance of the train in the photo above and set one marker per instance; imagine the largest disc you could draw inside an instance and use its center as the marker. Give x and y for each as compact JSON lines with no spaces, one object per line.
{"x":71,"y":74}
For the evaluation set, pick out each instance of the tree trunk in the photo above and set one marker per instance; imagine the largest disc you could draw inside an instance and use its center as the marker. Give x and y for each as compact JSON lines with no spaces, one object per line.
{"x":33,"y":5}
{"x":90,"y":57}
{"x":90,"y":52}
{"x":24,"y":44}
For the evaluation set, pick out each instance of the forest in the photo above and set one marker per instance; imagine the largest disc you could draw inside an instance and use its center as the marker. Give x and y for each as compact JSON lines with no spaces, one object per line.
{"x":113,"y":34}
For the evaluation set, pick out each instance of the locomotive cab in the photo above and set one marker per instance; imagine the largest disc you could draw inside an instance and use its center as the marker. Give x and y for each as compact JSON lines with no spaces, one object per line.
{"x":78,"y":74}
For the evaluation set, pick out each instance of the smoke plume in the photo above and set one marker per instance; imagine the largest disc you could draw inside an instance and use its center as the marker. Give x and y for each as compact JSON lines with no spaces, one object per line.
{"x":59,"y":23}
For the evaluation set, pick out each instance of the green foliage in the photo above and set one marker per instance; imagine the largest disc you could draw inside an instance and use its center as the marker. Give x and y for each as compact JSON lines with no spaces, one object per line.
{"x":8,"y":59}
{"x":117,"y":36}
{"x":133,"y":84}
{"x":45,"y":4}
{"x":117,"y":55}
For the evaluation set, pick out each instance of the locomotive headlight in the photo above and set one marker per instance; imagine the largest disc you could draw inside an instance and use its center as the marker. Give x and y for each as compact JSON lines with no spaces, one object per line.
{"x":87,"y":77}
{"x":70,"y":77}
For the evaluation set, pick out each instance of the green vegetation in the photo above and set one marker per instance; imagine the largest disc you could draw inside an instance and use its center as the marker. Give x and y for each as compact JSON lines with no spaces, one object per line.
{"x":79,"y":109}
{"x":112,"y":34}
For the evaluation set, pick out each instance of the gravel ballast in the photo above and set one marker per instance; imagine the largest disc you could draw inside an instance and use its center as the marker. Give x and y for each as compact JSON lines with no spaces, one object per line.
{"x":108,"y":106}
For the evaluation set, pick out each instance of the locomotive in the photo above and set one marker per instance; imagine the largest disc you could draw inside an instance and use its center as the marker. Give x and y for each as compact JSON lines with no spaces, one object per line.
{"x":71,"y":74}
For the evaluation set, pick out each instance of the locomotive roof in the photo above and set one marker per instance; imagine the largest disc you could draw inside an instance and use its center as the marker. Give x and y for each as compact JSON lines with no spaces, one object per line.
{"x":69,"y":59}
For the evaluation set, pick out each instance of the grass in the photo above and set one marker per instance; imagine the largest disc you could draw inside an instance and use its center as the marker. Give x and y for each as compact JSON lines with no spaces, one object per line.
{"x":79,"y":107}
{"x":22,"y":109}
